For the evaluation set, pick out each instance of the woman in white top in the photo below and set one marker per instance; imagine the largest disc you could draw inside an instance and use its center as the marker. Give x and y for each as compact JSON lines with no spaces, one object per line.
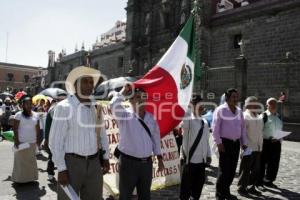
{"x":26,"y":130}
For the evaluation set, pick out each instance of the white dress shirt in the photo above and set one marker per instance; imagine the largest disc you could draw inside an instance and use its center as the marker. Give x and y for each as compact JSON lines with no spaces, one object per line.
{"x":73,"y":131}
{"x":254,"y":129}
{"x":191,"y":126}
{"x":134,"y":139}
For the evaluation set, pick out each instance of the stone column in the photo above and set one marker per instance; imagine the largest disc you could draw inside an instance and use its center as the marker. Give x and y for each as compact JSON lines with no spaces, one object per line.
{"x":240,"y":64}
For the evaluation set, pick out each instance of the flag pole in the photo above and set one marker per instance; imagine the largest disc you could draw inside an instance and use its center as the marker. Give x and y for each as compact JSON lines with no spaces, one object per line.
{"x":6,"y":51}
{"x":197,"y":69}
{"x":197,"y":21}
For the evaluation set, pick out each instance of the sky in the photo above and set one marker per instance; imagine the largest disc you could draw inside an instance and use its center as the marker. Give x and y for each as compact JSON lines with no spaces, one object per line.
{"x":34,"y":27}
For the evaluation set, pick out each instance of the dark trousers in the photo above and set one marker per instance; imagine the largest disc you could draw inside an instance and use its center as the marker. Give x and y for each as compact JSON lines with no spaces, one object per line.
{"x":133,"y":174}
{"x":227,"y":167}
{"x":50,"y":165}
{"x":178,"y":142}
{"x":192,"y":181}
{"x":270,"y":160}
{"x":249,"y":170}
{"x":6,"y":127}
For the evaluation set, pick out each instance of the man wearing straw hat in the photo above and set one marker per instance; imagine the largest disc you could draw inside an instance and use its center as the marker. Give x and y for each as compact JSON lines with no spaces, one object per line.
{"x":74,"y":137}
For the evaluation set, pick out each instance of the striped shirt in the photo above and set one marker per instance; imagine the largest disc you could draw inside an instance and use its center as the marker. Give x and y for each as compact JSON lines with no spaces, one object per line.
{"x":73,"y":131}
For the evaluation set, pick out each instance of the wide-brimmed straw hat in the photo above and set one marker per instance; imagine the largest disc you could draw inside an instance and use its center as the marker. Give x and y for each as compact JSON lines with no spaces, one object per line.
{"x":79,"y":72}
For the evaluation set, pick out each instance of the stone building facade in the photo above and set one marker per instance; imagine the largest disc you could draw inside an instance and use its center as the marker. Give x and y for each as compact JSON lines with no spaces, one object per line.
{"x":255,"y":47}
{"x":271,"y":49}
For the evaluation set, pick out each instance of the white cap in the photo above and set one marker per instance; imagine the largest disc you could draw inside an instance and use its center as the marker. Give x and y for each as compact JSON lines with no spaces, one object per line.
{"x":271,"y":99}
{"x":7,"y":99}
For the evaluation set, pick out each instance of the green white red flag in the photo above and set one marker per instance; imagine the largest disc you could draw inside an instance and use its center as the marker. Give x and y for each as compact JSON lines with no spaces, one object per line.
{"x":169,"y":84}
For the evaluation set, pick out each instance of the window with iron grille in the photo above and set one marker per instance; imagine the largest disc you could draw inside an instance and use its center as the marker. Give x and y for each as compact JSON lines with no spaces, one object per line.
{"x":10,"y":76}
{"x":26,"y":78}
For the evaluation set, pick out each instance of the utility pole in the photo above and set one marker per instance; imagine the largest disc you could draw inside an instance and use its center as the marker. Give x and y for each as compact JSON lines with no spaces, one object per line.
{"x":6,"y":52}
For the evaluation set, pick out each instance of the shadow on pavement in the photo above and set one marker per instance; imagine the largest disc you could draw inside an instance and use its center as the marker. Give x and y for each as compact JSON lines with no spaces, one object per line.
{"x":41,"y":157}
{"x":260,"y":197}
{"x":7,"y":179}
{"x":42,"y":170}
{"x":31,"y":190}
{"x":284,"y":192}
{"x":212,"y":171}
{"x":53,"y":185}
{"x":276,"y":191}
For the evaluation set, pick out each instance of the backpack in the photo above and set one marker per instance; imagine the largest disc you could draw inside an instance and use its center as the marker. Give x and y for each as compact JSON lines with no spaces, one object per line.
{"x":265,"y":117}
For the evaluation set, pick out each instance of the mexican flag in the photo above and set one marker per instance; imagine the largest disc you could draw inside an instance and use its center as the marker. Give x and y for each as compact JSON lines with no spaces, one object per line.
{"x":169,"y":84}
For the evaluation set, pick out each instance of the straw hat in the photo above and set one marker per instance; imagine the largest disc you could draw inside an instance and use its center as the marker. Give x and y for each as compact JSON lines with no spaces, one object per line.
{"x":79,"y":72}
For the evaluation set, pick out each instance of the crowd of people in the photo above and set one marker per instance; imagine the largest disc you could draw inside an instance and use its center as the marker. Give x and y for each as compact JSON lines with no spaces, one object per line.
{"x":249,"y":133}
{"x":28,"y":122}
{"x":77,"y":144}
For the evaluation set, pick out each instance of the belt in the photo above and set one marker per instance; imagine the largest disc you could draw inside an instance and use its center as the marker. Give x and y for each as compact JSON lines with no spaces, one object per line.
{"x":272,"y":140}
{"x":83,"y":157}
{"x":268,"y":139}
{"x":135,"y":158}
{"x":230,"y":140}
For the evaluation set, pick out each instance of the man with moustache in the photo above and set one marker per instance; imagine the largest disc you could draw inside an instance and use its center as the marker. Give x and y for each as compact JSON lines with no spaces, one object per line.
{"x":139,"y":140}
{"x":74,"y":139}
{"x":229,"y":134}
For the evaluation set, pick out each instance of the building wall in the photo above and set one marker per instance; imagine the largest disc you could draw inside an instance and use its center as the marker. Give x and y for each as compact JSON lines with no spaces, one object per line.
{"x":109,"y":60}
{"x":152,"y":26}
{"x":59,"y":72}
{"x":268,"y":33}
{"x":18,"y":81}
{"x":269,"y":30}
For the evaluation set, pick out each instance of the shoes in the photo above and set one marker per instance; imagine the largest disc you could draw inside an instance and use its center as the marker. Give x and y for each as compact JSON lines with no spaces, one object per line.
{"x":50,"y":177}
{"x":243,"y":192}
{"x":261,"y":188}
{"x":220,"y":198}
{"x":252,"y":190}
{"x":226,"y":197}
{"x":230,"y":197}
{"x":270,"y":184}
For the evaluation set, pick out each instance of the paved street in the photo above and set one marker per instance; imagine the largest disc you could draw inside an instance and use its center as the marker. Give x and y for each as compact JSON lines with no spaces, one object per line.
{"x":288,"y":179}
